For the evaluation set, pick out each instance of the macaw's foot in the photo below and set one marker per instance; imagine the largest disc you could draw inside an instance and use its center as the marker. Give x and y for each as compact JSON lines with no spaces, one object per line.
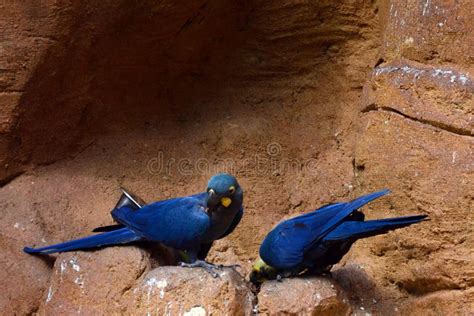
{"x":286,"y":274}
{"x":321,"y":271}
{"x":209,"y":267}
{"x":231,"y":266}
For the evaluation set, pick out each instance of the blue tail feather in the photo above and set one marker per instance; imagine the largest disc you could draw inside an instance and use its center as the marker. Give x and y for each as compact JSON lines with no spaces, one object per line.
{"x":356,"y":230}
{"x":348,"y":209}
{"x":119,"y":236}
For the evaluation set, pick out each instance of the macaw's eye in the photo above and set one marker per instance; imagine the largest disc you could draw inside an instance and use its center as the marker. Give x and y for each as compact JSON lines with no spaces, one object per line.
{"x":231,"y":189}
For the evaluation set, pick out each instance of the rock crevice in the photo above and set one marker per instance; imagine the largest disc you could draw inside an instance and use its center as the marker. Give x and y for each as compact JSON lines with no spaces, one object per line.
{"x":439,"y":125}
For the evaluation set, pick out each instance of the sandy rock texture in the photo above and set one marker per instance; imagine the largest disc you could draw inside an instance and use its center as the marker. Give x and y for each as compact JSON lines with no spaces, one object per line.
{"x":415,"y":136}
{"x":119,"y":280}
{"x":306,"y":102}
{"x":93,"y":283}
{"x":182,"y":291}
{"x":302,"y":296}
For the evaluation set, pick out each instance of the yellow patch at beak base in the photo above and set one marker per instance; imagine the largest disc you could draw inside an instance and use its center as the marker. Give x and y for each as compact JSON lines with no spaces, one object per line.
{"x":262,"y":272}
{"x":226,"y":201}
{"x":258,"y":265}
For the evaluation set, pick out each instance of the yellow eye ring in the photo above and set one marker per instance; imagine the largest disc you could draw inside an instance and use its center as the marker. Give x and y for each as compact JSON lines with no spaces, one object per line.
{"x":231,"y":189}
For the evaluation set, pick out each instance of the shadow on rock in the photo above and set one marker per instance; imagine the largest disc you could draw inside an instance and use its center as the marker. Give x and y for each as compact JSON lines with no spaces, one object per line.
{"x":362,"y":292}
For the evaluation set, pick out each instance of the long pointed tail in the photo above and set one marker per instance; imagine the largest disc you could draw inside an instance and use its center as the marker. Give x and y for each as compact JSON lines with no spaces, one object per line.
{"x":356,"y":230}
{"x":347,"y":210}
{"x":119,"y":236}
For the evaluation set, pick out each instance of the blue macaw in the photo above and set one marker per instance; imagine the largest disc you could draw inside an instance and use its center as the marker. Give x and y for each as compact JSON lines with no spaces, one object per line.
{"x":190,"y":223}
{"x":317,"y":240}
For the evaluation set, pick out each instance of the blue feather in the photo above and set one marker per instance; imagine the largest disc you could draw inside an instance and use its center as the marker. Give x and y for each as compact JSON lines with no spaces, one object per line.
{"x":185,"y":223}
{"x":346,"y":211}
{"x":293,"y":241}
{"x":120,"y":236}
{"x":357,"y":230}
{"x":179,"y":223}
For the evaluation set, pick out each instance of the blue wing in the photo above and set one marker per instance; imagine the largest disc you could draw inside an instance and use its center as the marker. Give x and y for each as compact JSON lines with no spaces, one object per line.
{"x":234,"y":223}
{"x":285,"y":246}
{"x":179,"y":223}
{"x":360,"y":229}
{"x":206,"y":247}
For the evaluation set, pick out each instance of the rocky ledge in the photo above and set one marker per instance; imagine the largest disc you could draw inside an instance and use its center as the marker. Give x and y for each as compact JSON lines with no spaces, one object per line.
{"x":121,"y":280}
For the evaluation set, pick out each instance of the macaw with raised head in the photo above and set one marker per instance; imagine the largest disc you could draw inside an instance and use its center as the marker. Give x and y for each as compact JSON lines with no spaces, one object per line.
{"x":190,"y":223}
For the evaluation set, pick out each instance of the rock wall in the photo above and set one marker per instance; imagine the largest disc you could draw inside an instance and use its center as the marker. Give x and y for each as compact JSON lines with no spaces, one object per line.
{"x":306,"y":102}
{"x":415,"y":135}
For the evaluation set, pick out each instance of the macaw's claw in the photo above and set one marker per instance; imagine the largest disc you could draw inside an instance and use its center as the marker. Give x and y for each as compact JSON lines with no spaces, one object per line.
{"x":231,"y":266}
{"x":209,"y":267}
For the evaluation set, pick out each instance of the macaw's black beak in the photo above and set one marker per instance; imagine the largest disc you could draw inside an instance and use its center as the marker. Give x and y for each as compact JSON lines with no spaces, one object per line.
{"x":257,"y":278}
{"x":212,"y":199}
{"x":253,"y":277}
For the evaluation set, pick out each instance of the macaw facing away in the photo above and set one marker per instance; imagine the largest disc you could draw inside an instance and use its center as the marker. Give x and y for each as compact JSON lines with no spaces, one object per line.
{"x":188,"y":223}
{"x":317,"y":240}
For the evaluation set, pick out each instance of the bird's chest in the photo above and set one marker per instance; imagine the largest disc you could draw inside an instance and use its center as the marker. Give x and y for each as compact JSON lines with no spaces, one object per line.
{"x":220,"y":222}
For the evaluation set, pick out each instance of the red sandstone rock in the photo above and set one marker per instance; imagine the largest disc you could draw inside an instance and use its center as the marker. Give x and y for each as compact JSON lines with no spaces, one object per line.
{"x":441,"y":303}
{"x":422,"y":93}
{"x":432,"y":32}
{"x":183,"y":291}
{"x":118,"y":280}
{"x":302,"y":296}
{"x":111,"y":85}
{"x":93,"y":283}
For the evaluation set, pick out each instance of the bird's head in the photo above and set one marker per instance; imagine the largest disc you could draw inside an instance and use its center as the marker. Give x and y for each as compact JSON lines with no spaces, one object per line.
{"x":223,"y":189}
{"x":262,"y":272}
